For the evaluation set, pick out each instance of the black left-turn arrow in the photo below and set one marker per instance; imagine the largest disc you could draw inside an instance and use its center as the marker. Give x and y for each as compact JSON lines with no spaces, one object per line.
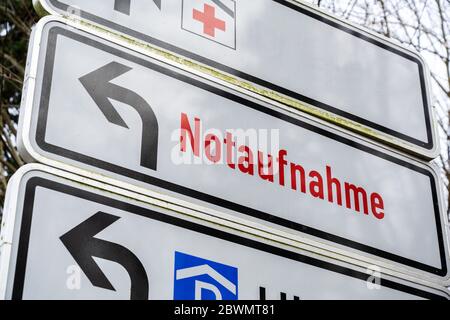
{"x":83,"y":246}
{"x":99,"y":86}
{"x":125,"y":5}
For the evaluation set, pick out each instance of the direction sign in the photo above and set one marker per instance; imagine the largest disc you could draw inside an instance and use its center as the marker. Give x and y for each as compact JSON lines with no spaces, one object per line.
{"x":290,"y":52}
{"x":97,"y":109}
{"x":65,"y":240}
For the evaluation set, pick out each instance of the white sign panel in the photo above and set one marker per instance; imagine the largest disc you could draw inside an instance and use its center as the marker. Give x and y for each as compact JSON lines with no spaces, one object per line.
{"x":289,"y":48}
{"x":64,"y":240}
{"x":98,"y":109}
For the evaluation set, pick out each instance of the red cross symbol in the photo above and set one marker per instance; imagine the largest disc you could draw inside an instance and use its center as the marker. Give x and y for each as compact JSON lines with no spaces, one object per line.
{"x":209,"y":20}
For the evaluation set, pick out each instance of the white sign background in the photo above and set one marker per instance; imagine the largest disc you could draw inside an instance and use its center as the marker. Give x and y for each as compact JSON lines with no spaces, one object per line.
{"x":42,"y":207}
{"x":298,"y":51}
{"x":63,"y":124}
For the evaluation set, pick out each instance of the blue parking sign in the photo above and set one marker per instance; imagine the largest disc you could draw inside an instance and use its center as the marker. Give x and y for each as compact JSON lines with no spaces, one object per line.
{"x":200,"y":279}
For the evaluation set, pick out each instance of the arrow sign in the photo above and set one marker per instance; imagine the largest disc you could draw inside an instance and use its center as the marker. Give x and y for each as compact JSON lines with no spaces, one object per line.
{"x":304,"y":178}
{"x":123,"y":6}
{"x":83,"y":246}
{"x":98,"y":85}
{"x":186,"y":258}
{"x":371,"y":83}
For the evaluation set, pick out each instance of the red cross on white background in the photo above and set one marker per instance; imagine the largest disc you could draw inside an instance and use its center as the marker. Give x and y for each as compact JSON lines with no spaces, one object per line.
{"x":209,"y":20}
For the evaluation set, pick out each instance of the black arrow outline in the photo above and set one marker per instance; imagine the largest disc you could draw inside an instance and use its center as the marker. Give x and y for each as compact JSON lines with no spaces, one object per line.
{"x":124,"y":6}
{"x":98,"y":84}
{"x":83,"y":246}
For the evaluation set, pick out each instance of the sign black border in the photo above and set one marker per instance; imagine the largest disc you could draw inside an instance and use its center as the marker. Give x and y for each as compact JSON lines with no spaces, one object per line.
{"x":27,"y":216}
{"x":428,"y":145}
{"x":55,"y":31}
